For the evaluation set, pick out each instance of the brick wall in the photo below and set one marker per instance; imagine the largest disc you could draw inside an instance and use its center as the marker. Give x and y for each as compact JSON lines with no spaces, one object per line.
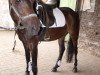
{"x":90,"y":31}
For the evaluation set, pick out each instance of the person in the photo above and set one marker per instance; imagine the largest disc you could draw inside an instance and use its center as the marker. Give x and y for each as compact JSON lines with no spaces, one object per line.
{"x":52,"y":2}
{"x":58,"y":3}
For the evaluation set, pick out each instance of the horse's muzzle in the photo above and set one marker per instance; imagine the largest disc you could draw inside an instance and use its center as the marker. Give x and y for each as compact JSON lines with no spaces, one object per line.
{"x":31,"y":32}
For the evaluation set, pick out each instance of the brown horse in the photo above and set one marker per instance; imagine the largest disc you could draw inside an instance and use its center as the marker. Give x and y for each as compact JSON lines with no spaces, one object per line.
{"x":29,"y":31}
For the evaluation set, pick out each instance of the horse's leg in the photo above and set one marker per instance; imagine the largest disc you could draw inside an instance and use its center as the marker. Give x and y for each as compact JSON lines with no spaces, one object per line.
{"x":27,"y":53}
{"x":61,"y":51}
{"x":72,"y":50}
{"x":75,"y":39}
{"x":34,"y":54}
{"x":76,"y":51}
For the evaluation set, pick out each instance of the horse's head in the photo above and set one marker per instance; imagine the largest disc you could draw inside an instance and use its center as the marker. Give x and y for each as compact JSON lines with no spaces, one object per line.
{"x":24,"y":17}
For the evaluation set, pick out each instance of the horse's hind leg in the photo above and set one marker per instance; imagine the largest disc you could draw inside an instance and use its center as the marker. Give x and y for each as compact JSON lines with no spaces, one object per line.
{"x":76,"y":51}
{"x":27,"y":53}
{"x":73,"y":51}
{"x":61,"y":51}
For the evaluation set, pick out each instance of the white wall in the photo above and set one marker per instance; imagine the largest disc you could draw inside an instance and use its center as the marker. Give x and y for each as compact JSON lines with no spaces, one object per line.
{"x":5,"y":19}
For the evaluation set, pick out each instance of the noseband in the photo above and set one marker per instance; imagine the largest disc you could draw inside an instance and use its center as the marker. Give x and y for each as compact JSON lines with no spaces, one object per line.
{"x":21,"y":18}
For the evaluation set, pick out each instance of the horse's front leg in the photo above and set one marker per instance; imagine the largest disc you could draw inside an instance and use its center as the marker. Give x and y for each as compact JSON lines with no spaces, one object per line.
{"x":34,"y":53}
{"x":27,"y":53}
{"x":61,"y":51}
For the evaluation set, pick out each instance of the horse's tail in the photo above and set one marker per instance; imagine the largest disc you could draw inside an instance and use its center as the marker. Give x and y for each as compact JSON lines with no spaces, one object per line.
{"x":70,"y":50}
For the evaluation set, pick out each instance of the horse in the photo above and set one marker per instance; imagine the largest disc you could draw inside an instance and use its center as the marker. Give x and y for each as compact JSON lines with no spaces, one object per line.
{"x":29,"y":31}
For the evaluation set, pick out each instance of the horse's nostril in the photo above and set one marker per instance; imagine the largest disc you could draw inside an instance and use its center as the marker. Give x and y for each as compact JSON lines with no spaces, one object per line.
{"x":32,"y":28}
{"x":21,"y":25}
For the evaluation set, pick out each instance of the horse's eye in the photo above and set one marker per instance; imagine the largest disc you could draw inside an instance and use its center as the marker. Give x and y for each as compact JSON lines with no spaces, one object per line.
{"x":18,"y":0}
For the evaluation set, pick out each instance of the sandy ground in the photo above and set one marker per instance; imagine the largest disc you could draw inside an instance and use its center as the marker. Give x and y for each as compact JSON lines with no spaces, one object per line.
{"x":13,"y":63}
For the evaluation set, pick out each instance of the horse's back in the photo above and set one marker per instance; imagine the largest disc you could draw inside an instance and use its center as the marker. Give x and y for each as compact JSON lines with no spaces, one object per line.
{"x":72,"y":17}
{"x":68,"y":11}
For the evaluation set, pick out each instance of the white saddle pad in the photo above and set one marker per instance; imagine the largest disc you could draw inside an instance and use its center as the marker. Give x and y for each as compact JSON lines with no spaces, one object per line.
{"x":60,"y":19}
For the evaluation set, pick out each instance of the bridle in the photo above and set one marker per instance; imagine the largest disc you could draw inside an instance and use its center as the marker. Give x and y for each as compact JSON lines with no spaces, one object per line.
{"x":21,"y":18}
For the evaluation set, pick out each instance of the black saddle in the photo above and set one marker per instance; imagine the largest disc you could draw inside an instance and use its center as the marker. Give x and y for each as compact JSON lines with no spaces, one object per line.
{"x":45,"y":13}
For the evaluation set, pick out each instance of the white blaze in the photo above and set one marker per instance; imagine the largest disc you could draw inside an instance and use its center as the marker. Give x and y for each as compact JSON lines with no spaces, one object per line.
{"x":59,"y":63}
{"x":29,"y":66}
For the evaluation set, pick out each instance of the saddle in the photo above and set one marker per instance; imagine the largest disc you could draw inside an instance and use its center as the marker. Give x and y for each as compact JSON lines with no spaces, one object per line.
{"x":45,"y":13}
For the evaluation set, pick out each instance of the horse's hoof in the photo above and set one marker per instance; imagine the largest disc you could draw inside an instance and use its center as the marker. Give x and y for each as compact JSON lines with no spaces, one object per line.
{"x":54,"y":70}
{"x":27,"y":73}
{"x":75,"y":70}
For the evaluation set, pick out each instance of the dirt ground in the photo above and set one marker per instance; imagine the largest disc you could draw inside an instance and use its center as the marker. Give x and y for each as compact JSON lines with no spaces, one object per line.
{"x":13,"y":63}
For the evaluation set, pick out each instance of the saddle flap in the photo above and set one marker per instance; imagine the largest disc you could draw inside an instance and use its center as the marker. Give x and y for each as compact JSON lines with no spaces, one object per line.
{"x":59,"y":19}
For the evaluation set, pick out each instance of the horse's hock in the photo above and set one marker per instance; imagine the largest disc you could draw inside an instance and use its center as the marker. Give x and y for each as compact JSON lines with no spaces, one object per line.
{"x":90,"y":31}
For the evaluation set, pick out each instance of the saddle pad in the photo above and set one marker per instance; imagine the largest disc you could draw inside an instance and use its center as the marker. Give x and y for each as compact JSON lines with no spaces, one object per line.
{"x":60,"y":19}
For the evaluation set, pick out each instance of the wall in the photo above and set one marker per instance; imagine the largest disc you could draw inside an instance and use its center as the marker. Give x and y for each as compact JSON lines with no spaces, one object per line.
{"x":68,"y":3}
{"x":5,"y":19}
{"x":89,"y":39}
